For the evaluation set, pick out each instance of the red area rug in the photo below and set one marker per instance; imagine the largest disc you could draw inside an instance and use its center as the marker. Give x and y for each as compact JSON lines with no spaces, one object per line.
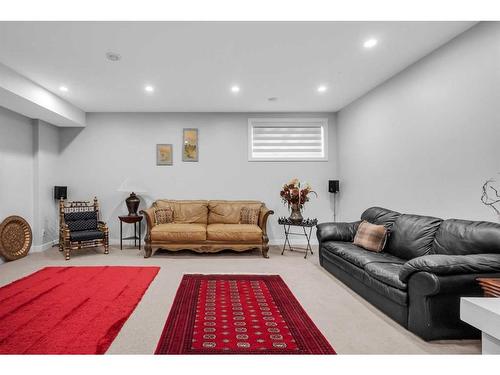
{"x":239,"y":314}
{"x":69,"y":310}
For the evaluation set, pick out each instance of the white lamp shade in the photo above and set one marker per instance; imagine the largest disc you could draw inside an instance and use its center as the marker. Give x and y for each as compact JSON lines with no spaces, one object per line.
{"x":129,"y":187}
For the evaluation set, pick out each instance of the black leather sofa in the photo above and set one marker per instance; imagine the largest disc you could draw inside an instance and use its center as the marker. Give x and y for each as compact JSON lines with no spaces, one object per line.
{"x":426,"y":266}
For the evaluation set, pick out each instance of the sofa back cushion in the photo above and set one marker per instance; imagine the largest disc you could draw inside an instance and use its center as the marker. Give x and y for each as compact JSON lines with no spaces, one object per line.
{"x":186,"y":211}
{"x":461,"y":237}
{"x":380,"y":216}
{"x":229,"y":212}
{"x":412,"y":236}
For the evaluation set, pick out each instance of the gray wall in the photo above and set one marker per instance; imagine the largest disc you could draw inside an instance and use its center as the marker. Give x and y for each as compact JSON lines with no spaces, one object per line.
{"x":96,"y":160}
{"x":424,"y":141}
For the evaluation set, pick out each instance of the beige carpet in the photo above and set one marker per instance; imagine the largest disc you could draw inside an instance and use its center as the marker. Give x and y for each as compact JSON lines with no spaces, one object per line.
{"x":350,"y":324}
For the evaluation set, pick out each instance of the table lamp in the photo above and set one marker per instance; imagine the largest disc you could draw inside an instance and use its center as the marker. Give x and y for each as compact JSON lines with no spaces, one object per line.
{"x":132,"y":201}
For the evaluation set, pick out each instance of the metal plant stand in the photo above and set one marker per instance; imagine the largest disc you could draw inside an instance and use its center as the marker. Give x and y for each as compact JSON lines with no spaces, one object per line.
{"x":306,"y":226}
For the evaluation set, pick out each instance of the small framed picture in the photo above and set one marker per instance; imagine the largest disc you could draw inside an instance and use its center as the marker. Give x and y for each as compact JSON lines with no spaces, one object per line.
{"x":190,"y":144}
{"x":164,"y":154}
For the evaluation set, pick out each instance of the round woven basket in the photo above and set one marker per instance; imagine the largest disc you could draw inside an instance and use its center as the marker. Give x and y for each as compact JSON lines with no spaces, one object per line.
{"x":15,"y":238}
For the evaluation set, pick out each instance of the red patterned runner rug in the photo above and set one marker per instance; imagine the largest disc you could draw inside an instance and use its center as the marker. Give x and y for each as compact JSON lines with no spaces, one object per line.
{"x":69,"y":310}
{"x":239,"y":314}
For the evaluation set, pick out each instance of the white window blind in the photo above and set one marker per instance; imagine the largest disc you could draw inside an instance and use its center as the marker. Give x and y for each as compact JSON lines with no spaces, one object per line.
{"x":287,"y":139}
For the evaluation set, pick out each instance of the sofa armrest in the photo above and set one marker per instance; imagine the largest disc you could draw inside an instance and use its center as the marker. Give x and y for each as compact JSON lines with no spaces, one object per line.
{"x":442,"y":265}
{"x":337,"y":231}
{"x":263,"y":216}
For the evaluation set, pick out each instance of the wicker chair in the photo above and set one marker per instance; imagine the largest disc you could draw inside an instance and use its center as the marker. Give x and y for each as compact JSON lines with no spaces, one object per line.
{"x":79,"y":227}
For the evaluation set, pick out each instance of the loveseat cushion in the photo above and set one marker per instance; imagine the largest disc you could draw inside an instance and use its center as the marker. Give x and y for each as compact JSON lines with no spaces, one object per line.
{"x":247,"y":233}
{"x":461,"y":237}
{"x":229,"y":212}
{"x":86,"y":235}
{"x":387,"y":273}
{"x":175,"y":232}
{"x":358,"y":256}
{"x":186,"y":211}
{"x":412,"y":236}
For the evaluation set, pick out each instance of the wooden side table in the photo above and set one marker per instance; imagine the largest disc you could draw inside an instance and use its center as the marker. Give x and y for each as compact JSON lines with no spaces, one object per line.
{"x":131,"y":219}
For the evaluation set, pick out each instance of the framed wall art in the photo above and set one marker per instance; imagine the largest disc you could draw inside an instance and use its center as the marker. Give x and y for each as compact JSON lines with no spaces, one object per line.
{"x":190,"y":144}
{"x":164,"y":154}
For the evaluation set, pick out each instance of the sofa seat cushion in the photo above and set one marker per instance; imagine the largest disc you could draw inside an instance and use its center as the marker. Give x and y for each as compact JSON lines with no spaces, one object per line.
{"x":234,"y":233}
{"x":174,"y":232}
{"x":388,"y":273}
{"x":358,"y":256}
{"x":86,"y":235}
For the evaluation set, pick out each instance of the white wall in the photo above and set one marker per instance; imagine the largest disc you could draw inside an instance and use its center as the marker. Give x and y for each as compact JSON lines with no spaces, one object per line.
{"x":95,"y":160}
{"x":16,"y":166}
{"x":46,"y":175}
{"x":29,"y":159}
{"x":24,"y":96}
{"x":426,"y":140}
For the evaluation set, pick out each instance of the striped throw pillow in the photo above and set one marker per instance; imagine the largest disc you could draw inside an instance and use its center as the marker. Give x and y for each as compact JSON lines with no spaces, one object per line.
{"x":371,"y":237}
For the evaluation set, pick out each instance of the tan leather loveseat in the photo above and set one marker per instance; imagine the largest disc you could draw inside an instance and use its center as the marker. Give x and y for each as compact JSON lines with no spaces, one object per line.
{"x":206,"y":226}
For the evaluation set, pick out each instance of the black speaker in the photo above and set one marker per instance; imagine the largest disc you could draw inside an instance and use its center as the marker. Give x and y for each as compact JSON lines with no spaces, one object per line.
{"x":333,"y":186}
{"x":60,"y":192}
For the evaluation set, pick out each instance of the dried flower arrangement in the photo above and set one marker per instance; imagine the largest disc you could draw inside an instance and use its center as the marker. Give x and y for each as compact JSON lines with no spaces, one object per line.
{"x":293,"y":194}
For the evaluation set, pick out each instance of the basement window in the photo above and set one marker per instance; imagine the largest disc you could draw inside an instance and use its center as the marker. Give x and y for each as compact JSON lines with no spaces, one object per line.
{"x":287,"y":139}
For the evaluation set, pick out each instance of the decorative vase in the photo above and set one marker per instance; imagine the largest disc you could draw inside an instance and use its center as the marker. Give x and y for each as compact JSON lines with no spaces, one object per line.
{"x":132,"y":204}
{"x":296,"y":216}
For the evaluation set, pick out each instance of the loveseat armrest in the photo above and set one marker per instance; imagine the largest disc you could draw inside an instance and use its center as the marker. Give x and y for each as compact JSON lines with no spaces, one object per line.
{"x":442,"y":265}
{"x":337,"y":231}
{"x":263,"y":216}
{"x":149,"y":214}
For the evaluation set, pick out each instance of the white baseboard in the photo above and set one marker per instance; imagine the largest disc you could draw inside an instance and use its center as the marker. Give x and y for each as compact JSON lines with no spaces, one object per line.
{"x":293,"y":241}
{"x":42,"y":247}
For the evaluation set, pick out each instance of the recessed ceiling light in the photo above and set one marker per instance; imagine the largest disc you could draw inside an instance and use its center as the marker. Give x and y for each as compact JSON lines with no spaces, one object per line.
{"x":370,"y":43}
{"x":149,"y":88}
{"x":112,"y":56}
{"x":322,"y":88}
{"x":235,"y":89}
{"x":63,"y":88}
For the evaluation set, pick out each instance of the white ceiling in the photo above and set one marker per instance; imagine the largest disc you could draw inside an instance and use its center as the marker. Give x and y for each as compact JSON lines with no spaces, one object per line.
{"x":192,"y":65}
